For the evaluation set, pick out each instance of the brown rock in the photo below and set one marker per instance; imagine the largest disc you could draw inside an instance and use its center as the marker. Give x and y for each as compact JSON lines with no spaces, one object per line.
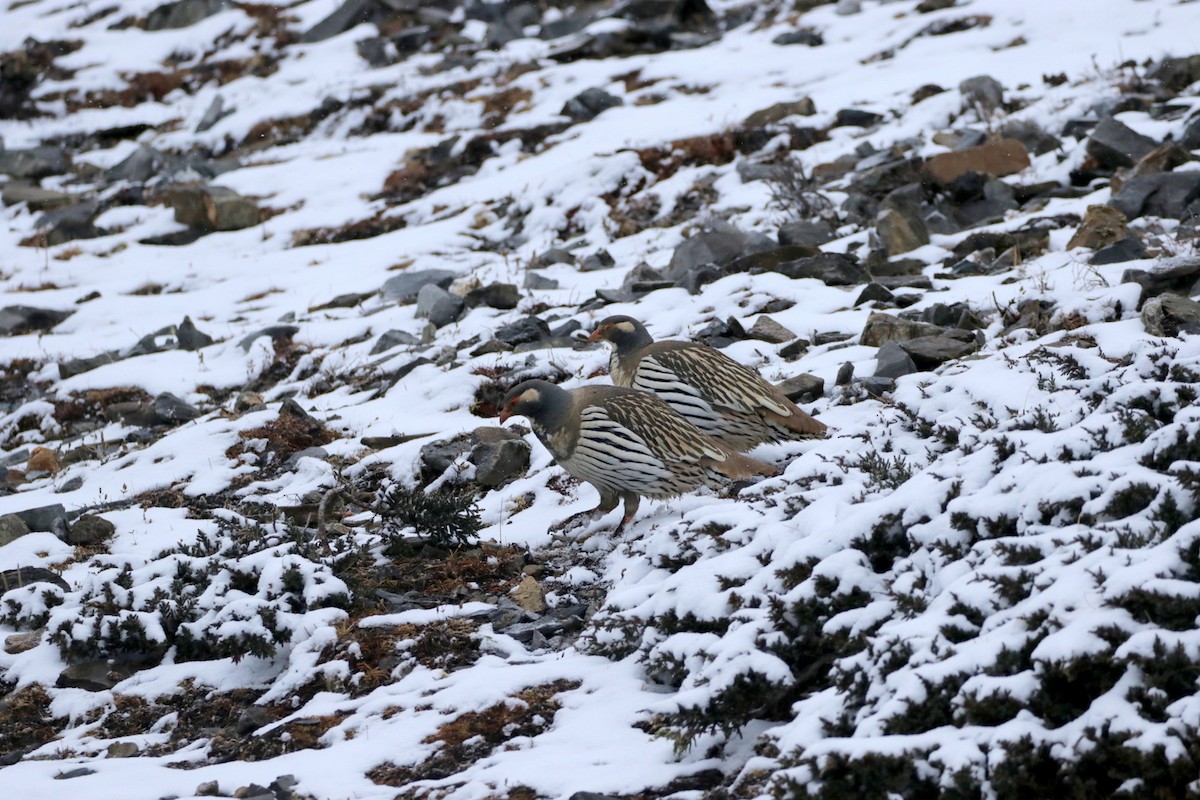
{"x":1001,"y":157}
{"x":1102,"y":226}
{"x":22,"y":642}
{"x":43,"y":459}
{"x":768,"y":330}
{"x":803,"y":107}
{"x":882,"y":328}
{"x":529,"y":595}
{"x":212,"y":208}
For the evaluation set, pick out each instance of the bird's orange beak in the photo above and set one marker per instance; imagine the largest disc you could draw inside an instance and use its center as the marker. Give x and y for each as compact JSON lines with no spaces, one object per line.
{"x":595,"y":337}
{"x":504,"y":415}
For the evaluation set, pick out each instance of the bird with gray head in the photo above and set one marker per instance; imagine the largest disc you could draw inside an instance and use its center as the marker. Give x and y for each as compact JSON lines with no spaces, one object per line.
{"x":724,"y":399}
{"x":626,"y":443}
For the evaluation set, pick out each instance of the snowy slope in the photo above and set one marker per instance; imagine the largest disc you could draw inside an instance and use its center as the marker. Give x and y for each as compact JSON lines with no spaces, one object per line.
{"x":985,"y":580}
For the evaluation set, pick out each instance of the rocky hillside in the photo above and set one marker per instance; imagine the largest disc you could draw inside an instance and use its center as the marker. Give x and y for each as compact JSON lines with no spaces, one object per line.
{"x":268,"y":269}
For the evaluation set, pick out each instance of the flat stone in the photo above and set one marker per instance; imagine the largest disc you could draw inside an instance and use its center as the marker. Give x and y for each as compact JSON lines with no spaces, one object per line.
{"x":805,"y":36}
{"x":930,"y":351}
{"x":768,"y":330}
{"x":78,"y":772}
{"x":70,"y":223}
{"x":51,"y":518}
{"x":539,"y":283}
{"x":833,"y":269}
{"x":803,"y":388}
{"x":17,"y":643}
{"x":529,"y":329}
{"x":1101,"y":226}
{"x":90,"y":529}
{"x":12,"y":527}
{"x":1176,"y":275}
{"x":122,"y":750}
{"x":1002,"y":157}
{"x":27,"y":576}
{"x":882,"y":328}
{"x":499,"y":463}
{"x":34,"y":162}
{"x":893,"y":362}
{"x":589,"y":103}
{"x":721,"y":244}
{"x":555,"y":255}
{"x":1171,"y":315}
{"x":93,"y":676}
{"x":1166,"y":194}
{"x":806,"y":232}
{"x":489,"y":346}
{"x":983,"y":92}
{"x":1114,"y":144}
{"x":35,"y":197}
{"x":769,"y":260}
{"x":804,"y":107}
{"x":275,"y":332}
{"x":1128,"y":249}
{"x":438,"y":305}
{"x":405,"y":287}
{"x":393,"y":338}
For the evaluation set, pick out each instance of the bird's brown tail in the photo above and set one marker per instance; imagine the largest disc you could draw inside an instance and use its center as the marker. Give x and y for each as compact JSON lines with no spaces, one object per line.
{"x":797,"y":425}
{"x":739,"y":467}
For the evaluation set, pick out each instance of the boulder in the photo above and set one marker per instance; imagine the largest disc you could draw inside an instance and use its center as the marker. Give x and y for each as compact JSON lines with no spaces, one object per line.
{"x":51,"y":518}
{"x":856,"y":118}
{"x":1176,"y":275}
{"x":1114,"y":144}
{"x":499,"y":463}
{"x":1164,"y":194}
{"x":930,"y":351}
{"x":802,"y":388}
{"x":497,"y":295}
{"x":12,"y":527}
{"x":1001,"y":157}
{"x":1128,"y":249}
{"x":901,"y":229}
{"x":768,"y":330}
{"x":405,"y":287}
{"x":438,"y":305}
{"x":523,"y":331}
{"x":806,"y":232}
{"x":69,"y":223}
{"x":89,"y":530}
{"x":1171,"y":315}
{"x":882,"y":328}
{"x":893,"y":362}
{"x":211,"y":208}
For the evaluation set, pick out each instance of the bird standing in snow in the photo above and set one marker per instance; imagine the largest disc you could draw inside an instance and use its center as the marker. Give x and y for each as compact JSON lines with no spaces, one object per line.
{"x":626,"y":443}
{"x":724,"y":399}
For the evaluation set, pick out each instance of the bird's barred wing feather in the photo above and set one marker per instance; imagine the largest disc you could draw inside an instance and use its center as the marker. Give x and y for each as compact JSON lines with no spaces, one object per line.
{"x":609,"y":454}
{"x":662,"y":430}
{"x":724,"y":381}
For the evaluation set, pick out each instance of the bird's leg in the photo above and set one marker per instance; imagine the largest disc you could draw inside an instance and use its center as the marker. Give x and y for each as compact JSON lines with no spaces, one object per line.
{"x":608,"y":501}
{"x":632,"y":501}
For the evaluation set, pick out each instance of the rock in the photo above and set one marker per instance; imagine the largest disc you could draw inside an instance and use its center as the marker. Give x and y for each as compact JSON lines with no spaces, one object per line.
{"x":123,"y":750}
{"x":276,"y":332}
{"x":18,"y":643}
{"x":1128,"y":249}
{"x":16,"y":320}
{"x":182,"y":14}
{"x":1002,"y":157}
{"x":720,"y":244}
{"x":833,"y":269}
{"x":1113,"y":144}
{"x":342,"y":19}
{"x":215,"y":113}
{"x":874,"y":292}
{"x":900,"y":230}
{"x":928,"y":6}
{"x":90,"y":529}
{"x":27,"y":576}
{"x":589,"y":103}
{"x":189,"y":337}
{"x":1101,"y":226}
{"x":52,"y":518}
{"x":529,"y":595}
{"x":78,"y":366}
{"x":802,"y":388}
{"x":490,"y":346}
{"x":94,"y":676}
{"x":893,"y":362}
{"x":251,"y":719}
{"x":930,"y":351}
{"x":795,"y":349}
{"x":882,"y":328}
{"x":167,"y":409}
{"x":78,"y":772}
{"x":208,"y":789}
{"x":982,"y":92}
{"x":438,"y":305}
{"x":12,"y":527}
{"x":769,"y":260}
{"x":597,"y":261}
{"x":804,"y":107}
{"x":806,"y":36}
{"x":805,"y":232}
{"x":405,"y":287}
{"x":523,"y":331}
{"x":538,"y":283}
{"x":499,"y":463}
{"x":768,"y":330}
{"x":43,"y":460}
{"x":555,"y":255}
{"x":141,"y":165}
{"x":846,"y":8}
{"x":35,"y":197}
{"x":1190,"y":140}
{"x":856,"y":118}
{"x":1176,"y":275}
{"x":211,"y":208}
{"x":71,"y":485}
{"x":497,"y":295}
{"x":1171,"y":315}
{"x":393,"y":338}
{"x":69,"y":223}
{"x":34,"y":162}
{"x":1176,"y":73}
{"x":1166,"y":194}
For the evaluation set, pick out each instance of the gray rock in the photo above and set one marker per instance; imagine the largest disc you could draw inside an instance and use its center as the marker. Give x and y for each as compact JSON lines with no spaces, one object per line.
{"x":90,"y":529}
{"x":215,"y":113}
{"x":720,"y":244}
{"x":1114,"y":144}
{"x":1190,"y":140}
{"x":845,"y":374}
{"x":537,"y":282}
{"x":900,"y":230}
{"x":438,"y":305}
{"x":874,"y":292}
{"x":293,"y":461}
{"x":393,"y":338}
{"x":276,"y":332}
{"x":345,"y":17}
{"x":123,"y":750}
{"x":52,"y":518}
{"x":1162,"y":194}
{"x":806,"y":232}
{"x":71,"y":485}
{"x":190,"y":337}
{"x":15,"y":644}
{"x":12,"y":527}
{"x":555,"y":255}
{"x":1128,"y":249}
{"x":983,"y":92}
{"x":1176,"y":275}
{"x":856,"y":118}
{"x":804,"y":107}
{"x":27,"y":576}
{"x":1176,"y":73}
{"x":78,"y":772}
{"x":523,"y":331}
{"x":806,"y":36}
{"x":833,"y":269}
{"x":405,"y":287}
{"x":565,"y":26}
{"x":251,"y":719}
{"x":1032,"y":135}
{"x":802,"y":388}
{"x":168,"y":408}
{"x":183,"y":14}
{"x":94,"y":676}
{"x":846,"y":8}
{"x":882,"y":328}
{"x":143,"y":164}
{"x":1171,"y":315}
{"x":23,"y":319}
{"x":893,"y":362}
{"x":211,"y":208}
{"x":35,"y":197}
{"x":70,"y":223}
{"x":768,"y":330}
{"x":597,"y":261}
{"x":930,"y":351}
{"x":497,"y":295}
{"x":877,"y":386}
{"x":78,"y":366}
{"x":34,"y":162}
{"x":208,"y":789}
{"x":499,"y":463}
{"x":589,"y":103}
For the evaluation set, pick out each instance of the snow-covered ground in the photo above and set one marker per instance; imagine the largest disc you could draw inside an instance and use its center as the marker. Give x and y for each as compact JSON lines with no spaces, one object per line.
{"x":986,"y":576}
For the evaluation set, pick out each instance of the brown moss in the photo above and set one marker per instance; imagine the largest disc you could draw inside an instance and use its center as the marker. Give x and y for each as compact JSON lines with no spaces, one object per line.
{"x":288,"y":434}
{"x":27,"y":723}
{"x":371,"y":227}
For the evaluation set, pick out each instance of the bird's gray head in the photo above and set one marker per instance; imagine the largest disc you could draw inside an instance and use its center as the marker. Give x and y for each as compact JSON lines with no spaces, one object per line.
{"x":539,"y":401}
{"x":625,"y":333}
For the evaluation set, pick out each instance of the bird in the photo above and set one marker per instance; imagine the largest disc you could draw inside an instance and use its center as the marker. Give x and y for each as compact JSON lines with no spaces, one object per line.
{"x":626,"y":443}
{"x":724,"y":399}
